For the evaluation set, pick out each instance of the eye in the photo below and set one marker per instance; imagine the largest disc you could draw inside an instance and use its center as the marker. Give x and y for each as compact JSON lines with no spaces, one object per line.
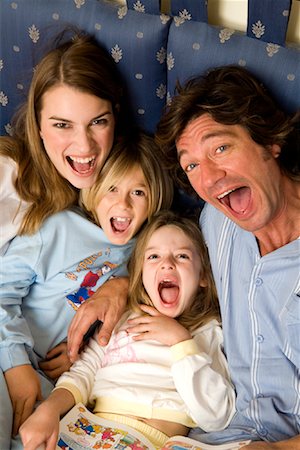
{"x":153,"y":256}
{"x":61,"y":125}
{"x":139,"y":192}
{"x":112,"y":189}
{"x":190,"y":167}
{"x":183,"y":256}
{"x":99,"y":121}
{"x":221,"y":149}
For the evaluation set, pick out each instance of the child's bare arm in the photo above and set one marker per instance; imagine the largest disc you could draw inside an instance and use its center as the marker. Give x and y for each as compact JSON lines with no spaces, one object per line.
{"x":43,"y":425}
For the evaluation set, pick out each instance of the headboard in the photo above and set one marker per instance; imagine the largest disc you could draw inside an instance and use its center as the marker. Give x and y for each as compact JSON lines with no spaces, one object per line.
{"x":151,"y":49}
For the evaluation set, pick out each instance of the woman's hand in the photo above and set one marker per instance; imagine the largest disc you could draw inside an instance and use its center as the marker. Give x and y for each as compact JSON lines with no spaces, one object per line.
{"x":57,"y":361}
{"x":157,"y":326}
{"x":24,"y":389}
{"x":106,"y":305}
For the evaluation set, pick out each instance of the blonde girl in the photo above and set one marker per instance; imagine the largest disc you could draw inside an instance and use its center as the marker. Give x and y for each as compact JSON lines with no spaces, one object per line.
{"x":163,"y":371}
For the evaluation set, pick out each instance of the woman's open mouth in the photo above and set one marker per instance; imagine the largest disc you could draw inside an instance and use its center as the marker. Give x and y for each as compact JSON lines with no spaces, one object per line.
{"x":82,"y":166}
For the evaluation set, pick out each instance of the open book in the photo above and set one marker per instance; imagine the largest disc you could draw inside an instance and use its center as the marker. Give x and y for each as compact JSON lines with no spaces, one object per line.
{"x":80,"y":430}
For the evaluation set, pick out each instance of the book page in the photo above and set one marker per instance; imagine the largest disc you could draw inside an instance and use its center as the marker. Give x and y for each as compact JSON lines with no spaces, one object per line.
{"x":80,"y":430}
{"x":185,"y":443}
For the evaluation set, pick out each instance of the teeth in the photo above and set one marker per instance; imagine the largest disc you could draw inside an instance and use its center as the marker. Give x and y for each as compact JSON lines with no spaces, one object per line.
{"x":121,"y":219}
{"x":225,"y":193}
{"x":165,"y":281}
{"x":82,"y":160}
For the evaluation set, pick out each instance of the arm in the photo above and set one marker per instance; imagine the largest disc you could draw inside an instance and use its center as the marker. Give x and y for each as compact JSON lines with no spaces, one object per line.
{"x":12,"y":209}
{"x":79,"y":380}
{"x":209,"y":394}
{"x":106,"y":305}
{"x":72,"y":387}
{"x":43,"y":425}
{"x":24,"y":389}
{"x":289,"y":444}
{"x":17,"y":276}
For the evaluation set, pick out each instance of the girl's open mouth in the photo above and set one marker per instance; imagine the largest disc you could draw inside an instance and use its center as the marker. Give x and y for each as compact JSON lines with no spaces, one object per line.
{"x":120,"y":224}
{"x":168,"y":292}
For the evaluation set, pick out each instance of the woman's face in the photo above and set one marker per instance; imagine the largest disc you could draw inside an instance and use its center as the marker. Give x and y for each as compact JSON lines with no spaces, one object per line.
{"x":77,"y":130}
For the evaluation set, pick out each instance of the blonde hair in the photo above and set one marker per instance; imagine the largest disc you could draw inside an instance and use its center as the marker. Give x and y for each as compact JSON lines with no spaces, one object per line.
{"x":135,"y":150}
{"x":84,"y":65}
{"x":205,"y":305}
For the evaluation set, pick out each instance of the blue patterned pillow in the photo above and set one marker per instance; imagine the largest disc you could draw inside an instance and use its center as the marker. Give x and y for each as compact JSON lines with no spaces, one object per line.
{"x":195,"y":47}
{"x":136,"y":40}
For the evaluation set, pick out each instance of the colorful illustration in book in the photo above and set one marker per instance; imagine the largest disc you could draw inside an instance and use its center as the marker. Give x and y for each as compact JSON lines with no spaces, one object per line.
{"x":85,"y":434}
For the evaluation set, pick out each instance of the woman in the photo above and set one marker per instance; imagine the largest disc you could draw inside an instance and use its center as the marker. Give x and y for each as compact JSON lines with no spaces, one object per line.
{"x":61,"y":138}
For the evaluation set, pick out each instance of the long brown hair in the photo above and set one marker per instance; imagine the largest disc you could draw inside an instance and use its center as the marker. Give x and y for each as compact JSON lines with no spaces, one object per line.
{"x":205,"y":305}
{"x":82,"y":64}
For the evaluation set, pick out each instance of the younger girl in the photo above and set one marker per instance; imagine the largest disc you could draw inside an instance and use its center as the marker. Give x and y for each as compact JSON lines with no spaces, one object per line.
{"x":163,"y":370}
{"x":46,"y":276}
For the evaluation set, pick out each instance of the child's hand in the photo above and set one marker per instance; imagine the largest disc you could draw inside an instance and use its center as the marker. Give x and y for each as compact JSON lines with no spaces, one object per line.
{"x":24,"y":389}
{"x":57,"y":361}
{"x":40,"y":430}
{"x":158,"y":327}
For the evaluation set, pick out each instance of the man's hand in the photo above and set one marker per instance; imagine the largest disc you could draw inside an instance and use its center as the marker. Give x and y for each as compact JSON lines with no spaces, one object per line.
{"x":24,"y":389}
{"x":57,"y":361}
{"x":107,"y":305}
{"x":157,"y":326}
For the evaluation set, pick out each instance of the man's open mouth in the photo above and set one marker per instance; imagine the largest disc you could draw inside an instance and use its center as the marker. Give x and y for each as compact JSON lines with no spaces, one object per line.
{"x":237,"y":200}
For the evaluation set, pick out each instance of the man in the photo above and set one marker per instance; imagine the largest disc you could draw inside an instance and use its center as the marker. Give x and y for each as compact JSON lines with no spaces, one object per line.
{"x":241,"y":154}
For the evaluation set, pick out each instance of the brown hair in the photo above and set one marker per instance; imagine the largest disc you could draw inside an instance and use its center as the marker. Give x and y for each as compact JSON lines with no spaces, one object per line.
{"x":231,"y":95}
{"x":205,"y":305}
{"x":135,"y":150}
{"x":84,"y":65}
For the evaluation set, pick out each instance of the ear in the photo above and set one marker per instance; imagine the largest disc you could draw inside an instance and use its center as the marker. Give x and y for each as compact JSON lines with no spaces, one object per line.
{"x":275,"y":150}
{"x":117,"y":108}
{"x":203,"y":282}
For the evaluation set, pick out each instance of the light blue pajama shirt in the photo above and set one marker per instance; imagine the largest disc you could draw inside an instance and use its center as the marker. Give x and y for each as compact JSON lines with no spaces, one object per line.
{"x":260,"y":308}
{"x":43,"y":279}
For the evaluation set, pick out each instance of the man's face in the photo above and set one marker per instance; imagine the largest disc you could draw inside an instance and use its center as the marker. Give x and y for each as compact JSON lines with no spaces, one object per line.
{"x":230,"y":171}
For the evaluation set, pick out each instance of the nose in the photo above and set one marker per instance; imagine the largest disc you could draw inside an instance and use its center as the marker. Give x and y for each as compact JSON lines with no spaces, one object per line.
{"x":211,"y":174}
{"x":124,"y":200}
{"x":83,"y":140}
{"x":168,"y":263}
